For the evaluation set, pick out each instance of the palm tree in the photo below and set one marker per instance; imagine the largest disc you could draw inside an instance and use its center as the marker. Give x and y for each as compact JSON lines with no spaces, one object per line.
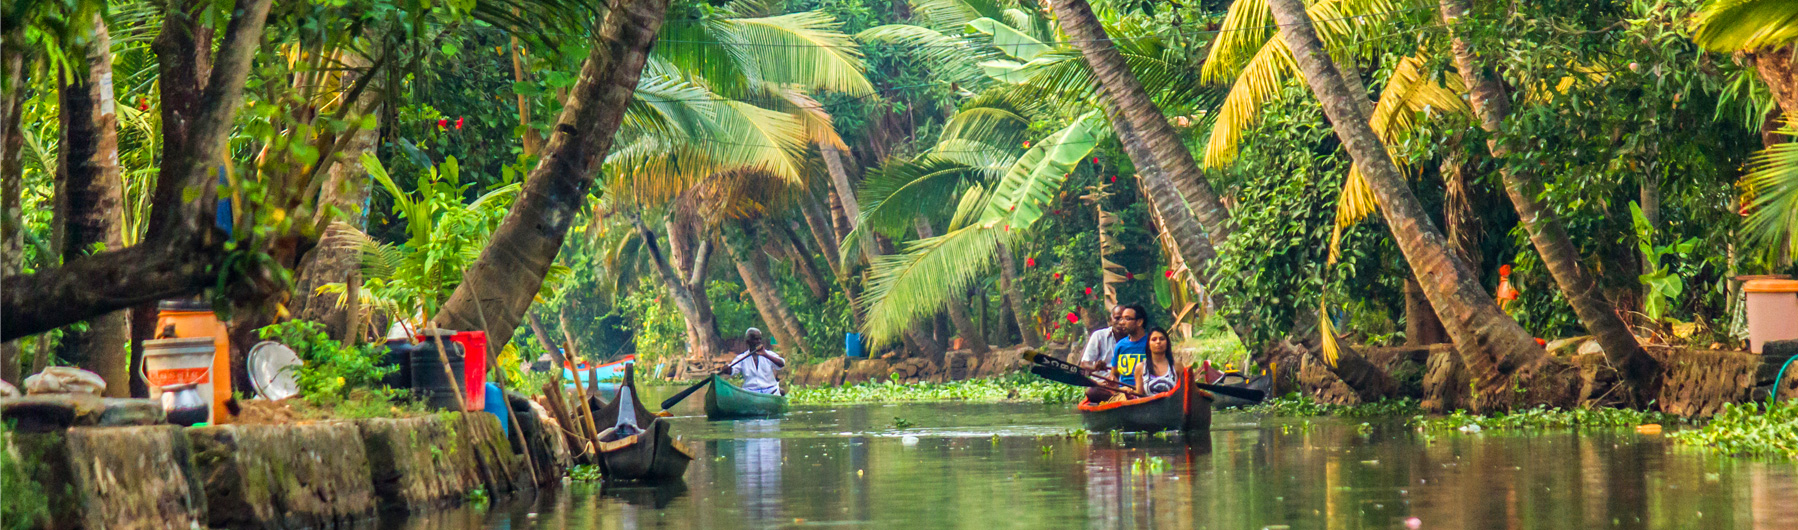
{"x":1768,"y":31}
{"x":499,"y":287}
{"x":1491,"y":104}
{"x":1493,"y":347}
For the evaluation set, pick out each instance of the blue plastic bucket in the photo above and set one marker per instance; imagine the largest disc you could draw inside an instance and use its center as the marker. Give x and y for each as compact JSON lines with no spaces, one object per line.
{"x":853,"y":346}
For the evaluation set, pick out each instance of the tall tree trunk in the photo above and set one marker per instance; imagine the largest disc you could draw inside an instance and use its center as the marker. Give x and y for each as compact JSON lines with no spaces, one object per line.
{"x":502,"y":282}
{"x":1493,"y":346}
{"x":709,"y":344}
{"x":1185,"y":207}
{"x":752,"y":265}
{"x":1008,"y":281}
{"x":690,"y":264}
{"x":88,"y":169}
{"x":12,"y":179}
{"x":958,"y":303}
{"x":802,"y":259}
{"x":340,"y":213}
{"x":1422,"y":328}
{"x":1486,"y":95}
{"x":182,"y":245}
{"x":1778,"y":67}
{"x":819,"y":226}
{"x":839,"y":181}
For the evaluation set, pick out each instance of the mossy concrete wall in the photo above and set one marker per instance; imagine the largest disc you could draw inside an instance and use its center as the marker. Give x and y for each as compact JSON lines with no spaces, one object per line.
{"x":283,"y":476}
{"x":426,"y":462}
{"x":116,"y":477}
{"x":269,"y":476}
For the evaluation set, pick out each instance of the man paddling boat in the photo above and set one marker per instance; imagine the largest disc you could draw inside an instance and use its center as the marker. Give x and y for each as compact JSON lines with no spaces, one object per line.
{"x":1128,"y":347}
{"x":757,"y":365}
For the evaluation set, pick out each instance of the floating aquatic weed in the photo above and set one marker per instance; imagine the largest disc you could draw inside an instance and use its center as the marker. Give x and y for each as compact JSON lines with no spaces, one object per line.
{"x":1150,"y":465}
{"x":586,"y":473}
{"x":902,"y":423}
{"x":1014,"y":387}
{"x":1752,"y":429}
{"x":1543,"y":418}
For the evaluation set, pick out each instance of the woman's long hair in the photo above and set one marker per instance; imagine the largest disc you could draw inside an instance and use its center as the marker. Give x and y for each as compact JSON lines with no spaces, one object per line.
{"x":1151,"y":345}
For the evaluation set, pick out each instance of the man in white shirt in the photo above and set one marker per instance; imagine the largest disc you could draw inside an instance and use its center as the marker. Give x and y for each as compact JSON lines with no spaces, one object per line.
{"x":757,"y":365}
{"x":1099,"y":345}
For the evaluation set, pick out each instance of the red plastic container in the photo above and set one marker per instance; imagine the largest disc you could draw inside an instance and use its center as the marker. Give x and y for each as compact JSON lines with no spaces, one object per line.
{"x":474,"y":365}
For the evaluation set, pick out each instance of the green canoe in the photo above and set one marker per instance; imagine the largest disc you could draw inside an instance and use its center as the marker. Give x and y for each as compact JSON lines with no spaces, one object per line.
{"x":725,"y":401}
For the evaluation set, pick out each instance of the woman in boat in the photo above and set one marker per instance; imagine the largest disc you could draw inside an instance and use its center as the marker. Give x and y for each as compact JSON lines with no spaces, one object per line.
{"x":757,"y":365}
{"x":1156,"y":374}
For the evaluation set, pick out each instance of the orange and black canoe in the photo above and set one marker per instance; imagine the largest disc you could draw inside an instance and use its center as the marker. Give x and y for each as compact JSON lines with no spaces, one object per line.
{"x":1184,"y":409}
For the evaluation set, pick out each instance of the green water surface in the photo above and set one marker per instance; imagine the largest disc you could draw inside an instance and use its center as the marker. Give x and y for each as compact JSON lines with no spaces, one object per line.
{"x":1012,"y":465}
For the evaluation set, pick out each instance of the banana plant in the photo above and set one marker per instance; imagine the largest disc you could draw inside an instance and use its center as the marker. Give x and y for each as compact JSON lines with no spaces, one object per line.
{"x":1663,"y":286}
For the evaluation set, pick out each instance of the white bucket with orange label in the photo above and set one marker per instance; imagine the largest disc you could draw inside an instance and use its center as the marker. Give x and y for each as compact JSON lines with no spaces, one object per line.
{"x":169,"y":362}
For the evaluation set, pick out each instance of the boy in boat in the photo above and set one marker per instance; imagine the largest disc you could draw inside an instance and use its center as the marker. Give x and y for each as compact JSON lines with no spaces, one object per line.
{"x":757,"y":365}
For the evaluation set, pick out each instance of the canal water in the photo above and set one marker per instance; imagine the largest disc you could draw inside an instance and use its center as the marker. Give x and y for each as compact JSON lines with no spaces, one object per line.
{"x":1011,"y":465}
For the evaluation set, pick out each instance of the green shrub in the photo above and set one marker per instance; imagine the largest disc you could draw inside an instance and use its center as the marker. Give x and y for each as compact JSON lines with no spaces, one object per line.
{"x":332,"y":370}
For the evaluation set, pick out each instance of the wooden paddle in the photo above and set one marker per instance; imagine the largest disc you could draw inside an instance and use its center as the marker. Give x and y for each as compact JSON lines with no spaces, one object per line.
{"x":1063,"y":366}
{"x":677,"y":397}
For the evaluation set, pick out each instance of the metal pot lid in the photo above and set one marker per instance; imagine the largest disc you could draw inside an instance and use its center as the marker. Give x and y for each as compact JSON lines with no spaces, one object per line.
{"x":272,"y":366}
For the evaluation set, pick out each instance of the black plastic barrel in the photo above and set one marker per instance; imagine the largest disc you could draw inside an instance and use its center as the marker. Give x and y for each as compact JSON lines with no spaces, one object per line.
{"x":399,"y":355}
{"x":427,"y":375}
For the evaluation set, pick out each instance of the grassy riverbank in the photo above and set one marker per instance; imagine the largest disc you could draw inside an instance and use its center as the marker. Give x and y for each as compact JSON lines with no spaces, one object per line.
{"x":1014,"y":387}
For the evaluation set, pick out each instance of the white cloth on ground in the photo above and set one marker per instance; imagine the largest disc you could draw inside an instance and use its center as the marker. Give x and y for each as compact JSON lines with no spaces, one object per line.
{"x":758,"y":373}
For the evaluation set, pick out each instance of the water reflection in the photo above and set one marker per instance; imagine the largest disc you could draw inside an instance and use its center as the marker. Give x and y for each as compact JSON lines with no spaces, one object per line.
{"x":1011,"y":466}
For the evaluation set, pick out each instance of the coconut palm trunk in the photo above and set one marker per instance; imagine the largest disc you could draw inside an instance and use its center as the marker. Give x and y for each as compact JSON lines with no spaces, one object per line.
{"x":1486,"y":95}
{"x":340,"y":214}
{"x":497,"y":289}
{"x":802,"y":261}
{"x":752,"y":265}
{"x":690,"y":262}
{"x":1493,"y":347}
{"x":700,"y":322}
{"x":92,"y":199}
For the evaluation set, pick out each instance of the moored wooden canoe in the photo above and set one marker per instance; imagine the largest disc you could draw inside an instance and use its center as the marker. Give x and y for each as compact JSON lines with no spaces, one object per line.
{"x":725,"y":401}
{"x":1181,"y":409}
{"x":1263,"y":383}
{"x":637,"y":445}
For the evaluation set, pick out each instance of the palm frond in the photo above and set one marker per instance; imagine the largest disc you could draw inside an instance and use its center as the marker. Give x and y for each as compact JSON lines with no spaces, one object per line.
{"x":947,"y":15}
{"x":668,"y":106}
{"x":1256,"y":86}
{"x":804,"y":49}
{"x":1774,"y":183}
{"x":1246,"y":29}
{"x":1744,"y":25}
{"x":418,"y":217}
{"x":1410,"y":94}
{"x":915,"y":284}
{"x":952,"y":58}
{"x":746,"y":136}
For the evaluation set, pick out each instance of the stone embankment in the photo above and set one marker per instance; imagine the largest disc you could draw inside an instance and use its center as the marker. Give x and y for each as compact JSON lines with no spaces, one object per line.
{"x":1696,"y":382}
{"x":301,"y":475}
